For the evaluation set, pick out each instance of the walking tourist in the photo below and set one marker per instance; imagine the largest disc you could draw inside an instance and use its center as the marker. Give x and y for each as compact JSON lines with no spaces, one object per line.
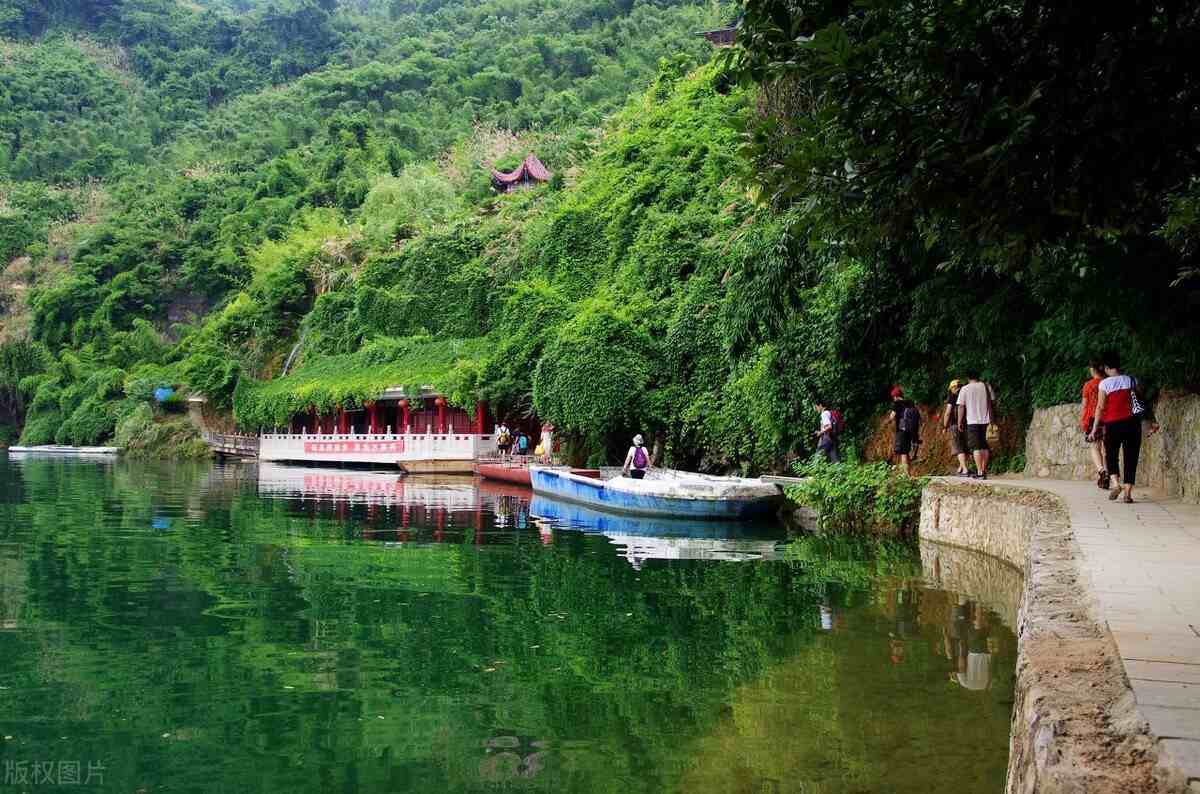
{"x":827,"y":435}
{"x":504,"y":439}
{"x":547,"y":442}
{"x":908,"y":428}
{"x":1119,"y":415}
{"x":637,"y":460}
{"x":522,"y":443}
{"x":958,"y":441}
{"x":1091,"y":395}
{"x":976,"y":411}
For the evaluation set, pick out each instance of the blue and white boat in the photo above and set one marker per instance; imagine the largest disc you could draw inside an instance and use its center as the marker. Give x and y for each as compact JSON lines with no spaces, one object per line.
{"x":663,"y":493}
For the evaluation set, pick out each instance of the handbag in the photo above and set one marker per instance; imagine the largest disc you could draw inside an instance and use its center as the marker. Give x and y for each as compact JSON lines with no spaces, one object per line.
{"x":1136,"y":404}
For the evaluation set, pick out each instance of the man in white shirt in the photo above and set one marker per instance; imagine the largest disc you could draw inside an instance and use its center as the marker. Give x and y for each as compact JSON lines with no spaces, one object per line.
{"x":827,"y":440}
{"x":976,"y":410}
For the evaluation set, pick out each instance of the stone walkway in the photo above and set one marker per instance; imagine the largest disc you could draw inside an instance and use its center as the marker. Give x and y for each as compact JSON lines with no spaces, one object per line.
{"x":1144,"y":564}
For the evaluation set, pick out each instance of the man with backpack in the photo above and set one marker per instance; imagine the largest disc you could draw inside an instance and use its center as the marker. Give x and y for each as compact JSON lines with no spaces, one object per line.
{"x":503,"y":439}
{"x":908,"y":428}
{"x":976,"y":411}
{"x":830,"y":431}
{"x":637,"y":460}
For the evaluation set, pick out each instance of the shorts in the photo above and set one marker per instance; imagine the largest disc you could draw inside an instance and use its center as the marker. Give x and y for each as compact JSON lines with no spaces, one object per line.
{"x":958,"y":441}
{"x":903,"y":443}
{"x":637,"y":474}
{"x":977,"y":438}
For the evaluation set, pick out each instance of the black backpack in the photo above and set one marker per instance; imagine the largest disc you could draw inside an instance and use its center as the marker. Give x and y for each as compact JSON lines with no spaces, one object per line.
{"x":910,"y":420}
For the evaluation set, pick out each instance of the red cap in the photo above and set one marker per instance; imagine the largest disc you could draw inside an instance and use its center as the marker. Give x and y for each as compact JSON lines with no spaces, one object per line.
{"x":897,"y":392}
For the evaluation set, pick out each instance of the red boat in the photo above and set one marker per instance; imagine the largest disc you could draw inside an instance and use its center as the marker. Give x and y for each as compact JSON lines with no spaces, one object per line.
{"x":516,"y":470}
{"x":510,"y":471}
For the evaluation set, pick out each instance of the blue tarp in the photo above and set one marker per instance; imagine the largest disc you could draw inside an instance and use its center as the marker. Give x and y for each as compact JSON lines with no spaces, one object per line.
{"x":163,"y":393}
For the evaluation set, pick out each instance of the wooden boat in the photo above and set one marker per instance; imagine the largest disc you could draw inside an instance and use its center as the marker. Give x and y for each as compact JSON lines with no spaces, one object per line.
{"x":510,"y":471}
{"x":515,"y":470}
{"x":663,"y":493}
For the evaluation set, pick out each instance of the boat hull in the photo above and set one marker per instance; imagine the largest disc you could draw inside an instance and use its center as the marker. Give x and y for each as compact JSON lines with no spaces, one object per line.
{"x":517,"y":475}
{"x":51,"y":449}
{"x":598,"y":494}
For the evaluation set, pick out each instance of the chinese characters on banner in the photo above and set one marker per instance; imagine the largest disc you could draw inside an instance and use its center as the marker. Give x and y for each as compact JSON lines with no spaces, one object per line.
{"x":366,"y":447}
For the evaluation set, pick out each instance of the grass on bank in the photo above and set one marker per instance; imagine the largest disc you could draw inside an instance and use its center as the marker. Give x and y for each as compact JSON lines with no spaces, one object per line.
{"x":872,"y":498}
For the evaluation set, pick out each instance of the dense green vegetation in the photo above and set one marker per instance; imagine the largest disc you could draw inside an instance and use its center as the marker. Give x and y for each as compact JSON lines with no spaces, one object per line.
{"x":896,"y":195}
{"x":872,"y":498}
{"x":219,"y":184}
{"x":1024,"y":175}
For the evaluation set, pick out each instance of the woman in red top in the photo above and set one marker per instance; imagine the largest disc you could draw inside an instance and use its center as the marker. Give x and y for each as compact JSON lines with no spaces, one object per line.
{"x":1122,"y":430}
{"x":1091,"y":395}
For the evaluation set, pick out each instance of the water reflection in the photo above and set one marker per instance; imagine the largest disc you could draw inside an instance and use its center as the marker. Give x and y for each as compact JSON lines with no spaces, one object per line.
{"x":639,"y":539}
{"x":278,"y":629}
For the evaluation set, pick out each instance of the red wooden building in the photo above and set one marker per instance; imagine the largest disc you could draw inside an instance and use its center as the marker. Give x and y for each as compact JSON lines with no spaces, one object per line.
{"x":395,"y":413}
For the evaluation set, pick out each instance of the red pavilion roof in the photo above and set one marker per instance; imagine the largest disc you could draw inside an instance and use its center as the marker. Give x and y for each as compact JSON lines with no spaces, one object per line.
{"x":529,"y":169}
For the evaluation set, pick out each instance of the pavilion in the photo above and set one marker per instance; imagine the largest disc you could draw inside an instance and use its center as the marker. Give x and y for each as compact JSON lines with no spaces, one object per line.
{"x":531,"y":171}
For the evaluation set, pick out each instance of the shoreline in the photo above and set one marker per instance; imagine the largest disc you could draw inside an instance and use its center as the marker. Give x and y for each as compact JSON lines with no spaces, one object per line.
{"x":1076,"y":724}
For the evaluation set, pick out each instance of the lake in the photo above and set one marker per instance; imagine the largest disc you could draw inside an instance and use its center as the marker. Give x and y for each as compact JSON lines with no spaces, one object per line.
{"x":266,"y":628}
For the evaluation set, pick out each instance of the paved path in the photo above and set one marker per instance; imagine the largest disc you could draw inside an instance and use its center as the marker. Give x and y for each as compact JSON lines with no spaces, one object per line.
{"x":1144,"y":563}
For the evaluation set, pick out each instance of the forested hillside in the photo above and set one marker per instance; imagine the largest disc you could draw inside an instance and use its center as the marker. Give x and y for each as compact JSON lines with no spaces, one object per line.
{"x":161,"y":164}
{"x":848,"y":200}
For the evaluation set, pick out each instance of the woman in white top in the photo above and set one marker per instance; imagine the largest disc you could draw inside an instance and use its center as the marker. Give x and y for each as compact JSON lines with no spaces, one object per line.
{"x":547,"y":441}
{"x":637,"y":459}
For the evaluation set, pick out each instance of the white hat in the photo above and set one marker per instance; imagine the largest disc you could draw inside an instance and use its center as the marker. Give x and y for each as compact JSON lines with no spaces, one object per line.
{"x":637,"y":440}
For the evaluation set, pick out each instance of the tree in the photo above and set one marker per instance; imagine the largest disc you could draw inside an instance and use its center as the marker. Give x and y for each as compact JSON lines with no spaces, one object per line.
{"x":993,"y":131}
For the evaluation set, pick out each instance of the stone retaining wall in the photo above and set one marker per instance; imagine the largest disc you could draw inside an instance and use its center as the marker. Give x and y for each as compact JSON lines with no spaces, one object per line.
{"x":982,"y":577}
{"x":1075,"y":726}
{"x":1170,"y":461}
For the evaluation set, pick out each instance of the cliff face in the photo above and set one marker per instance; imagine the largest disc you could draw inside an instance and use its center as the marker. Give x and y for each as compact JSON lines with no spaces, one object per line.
{"x":934,"y":456}
{"x":1170,"y":459}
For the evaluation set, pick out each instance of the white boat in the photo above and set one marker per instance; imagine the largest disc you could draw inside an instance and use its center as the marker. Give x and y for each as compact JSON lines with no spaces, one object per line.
{"x":54,"y":449}
{"x":663,"y":493}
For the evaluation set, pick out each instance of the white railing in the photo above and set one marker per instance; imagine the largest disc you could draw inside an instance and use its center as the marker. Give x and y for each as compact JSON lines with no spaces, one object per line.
{"x":382,"y":448}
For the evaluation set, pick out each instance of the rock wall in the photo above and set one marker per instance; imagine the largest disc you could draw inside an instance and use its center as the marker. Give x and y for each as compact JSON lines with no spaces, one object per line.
{"x":1075,"y":726}
{"x":983,"y":577}
{"x":1170,"y":460}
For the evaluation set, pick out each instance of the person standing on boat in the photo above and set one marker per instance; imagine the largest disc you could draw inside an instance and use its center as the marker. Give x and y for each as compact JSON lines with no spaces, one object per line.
{"x":637,"y":460}
{"x":547,"y":442}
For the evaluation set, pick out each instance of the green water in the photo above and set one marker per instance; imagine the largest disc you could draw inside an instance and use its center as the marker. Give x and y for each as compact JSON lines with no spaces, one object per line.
{"x":168,"y":628}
